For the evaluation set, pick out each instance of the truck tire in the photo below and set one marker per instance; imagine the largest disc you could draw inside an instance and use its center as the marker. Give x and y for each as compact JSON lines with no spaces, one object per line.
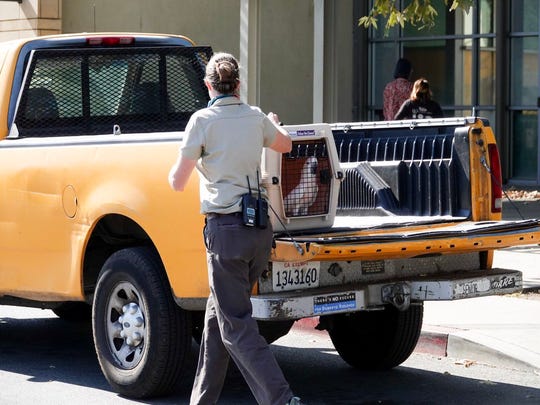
{"x":376,"y":340}
{"x":141,"y":336}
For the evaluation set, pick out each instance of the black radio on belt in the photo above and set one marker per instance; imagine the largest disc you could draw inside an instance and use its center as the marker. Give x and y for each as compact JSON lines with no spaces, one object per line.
{"x":254,"y":209}
{"x":249,"y":209}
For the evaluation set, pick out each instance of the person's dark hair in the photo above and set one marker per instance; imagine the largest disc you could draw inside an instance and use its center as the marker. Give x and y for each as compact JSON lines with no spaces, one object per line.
{"x":223,"y":73}
{"x":421,"y":90}
{"x":403,"y":68}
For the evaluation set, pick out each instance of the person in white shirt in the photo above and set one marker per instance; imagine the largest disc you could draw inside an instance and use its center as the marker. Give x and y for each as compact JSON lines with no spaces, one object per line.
{"x":225,"y":142}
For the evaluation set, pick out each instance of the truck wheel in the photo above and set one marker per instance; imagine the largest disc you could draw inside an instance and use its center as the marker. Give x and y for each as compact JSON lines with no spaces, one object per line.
{"x":141,"y":336}
{"x":376,"y":340}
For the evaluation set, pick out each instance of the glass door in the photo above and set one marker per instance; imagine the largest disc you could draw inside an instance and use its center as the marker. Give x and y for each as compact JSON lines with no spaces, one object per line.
{"x":524,"y":91}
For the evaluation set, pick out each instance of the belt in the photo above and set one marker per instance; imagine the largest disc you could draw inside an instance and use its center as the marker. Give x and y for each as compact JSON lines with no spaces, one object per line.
{"x":212,"y":215}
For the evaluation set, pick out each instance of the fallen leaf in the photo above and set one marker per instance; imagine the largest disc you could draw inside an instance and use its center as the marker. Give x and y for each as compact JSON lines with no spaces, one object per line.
{"x":465,"y":362}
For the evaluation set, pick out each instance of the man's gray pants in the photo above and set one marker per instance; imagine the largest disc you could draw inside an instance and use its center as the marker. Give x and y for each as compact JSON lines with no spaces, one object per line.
{"x":237,"y":255}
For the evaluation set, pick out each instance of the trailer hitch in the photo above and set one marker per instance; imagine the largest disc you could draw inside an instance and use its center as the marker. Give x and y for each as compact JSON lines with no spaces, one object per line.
{"x":399,"y":295}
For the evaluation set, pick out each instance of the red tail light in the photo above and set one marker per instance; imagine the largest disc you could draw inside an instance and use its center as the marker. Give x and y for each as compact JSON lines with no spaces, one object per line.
{"x":110,"y":41}
{"x":496,"y":180}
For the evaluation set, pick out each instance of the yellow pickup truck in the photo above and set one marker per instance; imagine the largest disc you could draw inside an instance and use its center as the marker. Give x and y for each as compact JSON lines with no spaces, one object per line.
{"x":371,"y":219}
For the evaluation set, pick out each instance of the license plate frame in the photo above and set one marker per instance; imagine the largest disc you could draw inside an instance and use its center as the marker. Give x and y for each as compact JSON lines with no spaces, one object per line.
{"x":289,"y":276}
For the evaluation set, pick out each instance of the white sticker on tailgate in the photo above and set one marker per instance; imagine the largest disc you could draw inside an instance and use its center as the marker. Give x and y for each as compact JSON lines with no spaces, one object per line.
{"x":295,"y":275}
{"x":334,"y":303}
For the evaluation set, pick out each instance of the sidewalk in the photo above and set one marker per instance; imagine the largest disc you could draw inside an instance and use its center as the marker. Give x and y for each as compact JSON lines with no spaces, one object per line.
{"x":501,"y":331}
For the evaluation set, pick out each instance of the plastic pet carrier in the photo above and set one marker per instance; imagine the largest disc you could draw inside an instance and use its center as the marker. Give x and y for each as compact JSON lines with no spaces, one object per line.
{"x":303,"y":185}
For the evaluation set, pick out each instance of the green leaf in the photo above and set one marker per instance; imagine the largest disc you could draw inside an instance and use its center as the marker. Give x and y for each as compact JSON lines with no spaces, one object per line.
{"x":419,"y":13}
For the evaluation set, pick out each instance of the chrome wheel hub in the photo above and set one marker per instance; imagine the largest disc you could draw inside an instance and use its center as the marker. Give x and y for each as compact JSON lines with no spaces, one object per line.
{"x":126,"y":325}
{"x":132,"y":324}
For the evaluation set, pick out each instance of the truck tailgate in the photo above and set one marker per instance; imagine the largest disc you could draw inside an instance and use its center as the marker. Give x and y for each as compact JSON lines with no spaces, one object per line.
{"x":403,"y":240}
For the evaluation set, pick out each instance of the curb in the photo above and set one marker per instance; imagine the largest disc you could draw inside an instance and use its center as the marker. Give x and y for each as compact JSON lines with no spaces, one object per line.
{"x":433,"y":339}
{"x":460,"y":344}
{"x":308,"y":326}
{"x":467,"y":348}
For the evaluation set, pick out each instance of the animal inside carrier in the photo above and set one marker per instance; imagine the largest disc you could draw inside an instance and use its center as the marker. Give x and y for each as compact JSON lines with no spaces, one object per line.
{"x":303,"y":185}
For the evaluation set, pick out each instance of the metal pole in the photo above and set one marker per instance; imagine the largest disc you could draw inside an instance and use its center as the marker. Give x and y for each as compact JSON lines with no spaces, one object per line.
{"x":318,"y":60}
{"x":249,"y":51}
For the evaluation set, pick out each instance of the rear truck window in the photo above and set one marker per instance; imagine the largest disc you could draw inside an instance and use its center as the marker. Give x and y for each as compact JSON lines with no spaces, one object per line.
{"x":87,"y":91}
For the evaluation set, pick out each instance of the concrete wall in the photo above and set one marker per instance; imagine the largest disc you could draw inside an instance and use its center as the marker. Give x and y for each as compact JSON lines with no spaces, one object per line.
{"x":339,"y":69}
{"x":287,"y":59}
{"x":207,"y":22}
{"x":30,"y":18}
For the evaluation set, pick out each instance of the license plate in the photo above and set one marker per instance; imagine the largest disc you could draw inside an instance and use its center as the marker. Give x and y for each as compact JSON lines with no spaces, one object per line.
{"x":295,"y":275}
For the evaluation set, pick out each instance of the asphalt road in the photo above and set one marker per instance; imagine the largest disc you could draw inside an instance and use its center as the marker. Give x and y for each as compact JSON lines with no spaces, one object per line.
{"x":44,"y":360}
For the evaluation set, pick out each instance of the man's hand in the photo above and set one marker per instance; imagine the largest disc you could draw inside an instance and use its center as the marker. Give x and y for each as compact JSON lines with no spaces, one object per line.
{"x":283,"y":142}
{"x":274,"y":118}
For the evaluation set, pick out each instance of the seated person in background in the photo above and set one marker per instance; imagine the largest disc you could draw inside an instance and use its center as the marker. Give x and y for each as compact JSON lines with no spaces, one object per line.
{"x":420,"y":104}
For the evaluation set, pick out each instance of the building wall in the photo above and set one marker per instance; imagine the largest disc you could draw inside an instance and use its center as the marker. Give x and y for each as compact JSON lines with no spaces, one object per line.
{"x":207,"y":22}
{"x":339,"y":82}
{"x":30,"y":18}
{"x":287,"y":52}
{"x":286,"y":64}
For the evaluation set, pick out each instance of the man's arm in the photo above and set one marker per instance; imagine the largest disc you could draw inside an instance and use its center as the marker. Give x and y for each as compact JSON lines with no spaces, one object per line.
{"x":180,"y":172}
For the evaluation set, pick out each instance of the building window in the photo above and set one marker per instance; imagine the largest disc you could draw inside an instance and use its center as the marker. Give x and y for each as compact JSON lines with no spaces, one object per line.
{"x":457,"y":56}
